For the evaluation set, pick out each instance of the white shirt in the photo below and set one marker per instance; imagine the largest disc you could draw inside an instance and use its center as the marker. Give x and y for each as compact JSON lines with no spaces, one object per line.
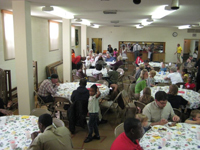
{"x":136,"y":47}
{"x":175,"y":77}
{"x":93,"y":104}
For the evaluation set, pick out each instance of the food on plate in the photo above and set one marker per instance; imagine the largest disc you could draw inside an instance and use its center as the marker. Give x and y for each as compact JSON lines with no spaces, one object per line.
{"x":193,"y":127}
{"x":159,"y":128}
{"x":173,"y":124}
{"x":162,"y":129}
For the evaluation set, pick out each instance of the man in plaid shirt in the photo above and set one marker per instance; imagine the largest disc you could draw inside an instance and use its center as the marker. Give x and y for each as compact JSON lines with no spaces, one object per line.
{"x":48,"y":88}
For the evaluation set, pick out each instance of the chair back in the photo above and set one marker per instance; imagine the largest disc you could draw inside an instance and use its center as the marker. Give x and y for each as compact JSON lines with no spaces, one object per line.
{"x":40,"y":101}
{"x":39,"y":111}
{"x":58,"y":123}
{"x":103,"y":82}
{"x":74,"y":71}
{"x":180,"y":83}
{"x":119,"y":129}
{"x":131,"y":90}
{"x":76,"y":77}
{"x":125,"y":98}
{"x":131,"y":78}
{"x":92,"y":79}
{"x":140,"y":105}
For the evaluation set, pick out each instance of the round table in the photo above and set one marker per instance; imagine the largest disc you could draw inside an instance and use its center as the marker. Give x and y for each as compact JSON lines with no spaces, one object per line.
{"x":184,"y":138}
{"x":159,"y":77}
{"x":155,"y":64}
{"x":15,"y":128}
{"x":103,"y":71}
{"x":189,"y":95}
{"x":66,"y":89}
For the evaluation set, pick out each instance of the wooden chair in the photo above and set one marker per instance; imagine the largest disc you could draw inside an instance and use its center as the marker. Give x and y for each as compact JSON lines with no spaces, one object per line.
{"x":58,"y":123}
{"x":92,"y":79}
{"x":59,"y":104}
{"x":180,"y":83}
{"x":41,"y":103}
{"x":119,"y":129}
{"x":157,"y":69}
{"x":39,"y":111}
{"x":140,"y":105}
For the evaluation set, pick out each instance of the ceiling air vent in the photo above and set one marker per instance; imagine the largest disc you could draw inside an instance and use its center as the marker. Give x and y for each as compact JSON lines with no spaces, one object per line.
{"x":193,"y":30}
{"x":110,"y":12}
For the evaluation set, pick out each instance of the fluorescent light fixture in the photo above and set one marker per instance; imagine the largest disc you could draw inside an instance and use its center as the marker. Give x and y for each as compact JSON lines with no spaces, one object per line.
{"x":47,"y":8}
{"x":85,"y":22}
{"x":95,"y":26}
{"x":160,"y":12}
{"x":149,"y":20}
{"x":184,"y":27}
{"x":139,"y":26}
{"x":175,"y":4}
{"x":145,"y":22}
{"x":61,"y":13}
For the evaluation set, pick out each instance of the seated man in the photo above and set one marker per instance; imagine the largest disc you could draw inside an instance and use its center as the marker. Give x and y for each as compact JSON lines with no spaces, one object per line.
{"x":3,"y":110}
{"x":48,"y":88}
{"x":78,"y":110}
{"x":109,"y":58}
{"x":174,"y":76}
{"x":128,"y":140}
{"x":147,"y":66}
{"x":49,"y":137}
{"x":160,"y":110}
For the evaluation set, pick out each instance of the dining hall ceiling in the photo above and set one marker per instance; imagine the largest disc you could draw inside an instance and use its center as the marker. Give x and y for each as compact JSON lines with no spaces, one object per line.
{"x":128,"y":13}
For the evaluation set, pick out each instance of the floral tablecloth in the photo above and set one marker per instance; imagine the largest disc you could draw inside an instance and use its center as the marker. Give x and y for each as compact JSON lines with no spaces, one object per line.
{"x":104,"y":72}
{"x":66,"y":89}
{"x":189,"y":95}
{"x":159,"y":77}
{"x":15,"y":128}
{"x":184,"y":138}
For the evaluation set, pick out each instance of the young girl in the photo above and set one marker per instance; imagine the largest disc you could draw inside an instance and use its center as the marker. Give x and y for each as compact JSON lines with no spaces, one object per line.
{"x":115,"y":53}
{"x":189,"y":84}
{"x":146,"y":98}
{"x":184,"y":75}
{"x":151,"y":80}
{"x":144,"y":121}
{"x":93,"y":109}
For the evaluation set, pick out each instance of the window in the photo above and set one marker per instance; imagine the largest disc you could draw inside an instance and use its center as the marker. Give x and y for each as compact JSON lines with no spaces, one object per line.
{"x":54,"y":35}
{"x":9,"y":47}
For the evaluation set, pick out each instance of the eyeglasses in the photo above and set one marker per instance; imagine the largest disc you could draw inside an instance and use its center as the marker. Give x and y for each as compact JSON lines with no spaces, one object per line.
{"x":163,"y":103}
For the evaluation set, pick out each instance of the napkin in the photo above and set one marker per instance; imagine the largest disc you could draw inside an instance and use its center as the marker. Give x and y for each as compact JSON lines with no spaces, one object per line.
{"x":181,"y":92}
{"x":25,"y":117}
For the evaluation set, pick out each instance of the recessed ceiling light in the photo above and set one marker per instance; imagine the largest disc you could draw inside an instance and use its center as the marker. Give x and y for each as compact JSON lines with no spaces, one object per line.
{"x":184,"y":27}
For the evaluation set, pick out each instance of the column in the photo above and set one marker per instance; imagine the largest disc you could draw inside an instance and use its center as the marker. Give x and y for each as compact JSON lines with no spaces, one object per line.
{"x":23,"y":56}
{"x":83,"y":40}
{"x":67,"y":59}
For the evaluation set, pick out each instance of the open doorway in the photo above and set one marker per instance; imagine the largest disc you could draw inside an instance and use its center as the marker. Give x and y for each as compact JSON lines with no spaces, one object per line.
{"x":191,"y":46}
{"x":97,"y":45}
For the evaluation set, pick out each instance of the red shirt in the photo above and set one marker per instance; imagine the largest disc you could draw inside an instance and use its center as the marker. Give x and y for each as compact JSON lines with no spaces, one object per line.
{"x":190,"y":86}
{"x":76,"y":59}
{"x":122,"y":142}
{"x":138,"y":60}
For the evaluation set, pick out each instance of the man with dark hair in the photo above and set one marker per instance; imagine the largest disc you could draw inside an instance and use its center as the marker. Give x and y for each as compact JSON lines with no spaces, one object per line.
{"x":147,"y":66}
{"x":48,"y":88}
{"x":49,"y":137}
{"x":129,"y":138}
{"x":78,"y":110}
{"x":160,"y":110}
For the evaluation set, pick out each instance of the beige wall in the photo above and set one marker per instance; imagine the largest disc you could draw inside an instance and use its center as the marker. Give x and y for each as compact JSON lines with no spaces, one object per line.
{"x":112,"y":35}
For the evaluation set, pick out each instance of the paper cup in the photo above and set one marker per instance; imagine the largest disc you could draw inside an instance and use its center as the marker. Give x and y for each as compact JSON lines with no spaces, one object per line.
{"x":33,"y":121}
{"x":28,"y":135}
{"x":12,"y":144}
{"x":162,"y":72}
{"x":198,"y":135}
{"x":169,"y":135}
{"x":163,"y":142}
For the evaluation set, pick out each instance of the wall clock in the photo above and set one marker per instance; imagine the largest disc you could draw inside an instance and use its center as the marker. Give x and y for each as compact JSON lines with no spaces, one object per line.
{"x":174,"y":34}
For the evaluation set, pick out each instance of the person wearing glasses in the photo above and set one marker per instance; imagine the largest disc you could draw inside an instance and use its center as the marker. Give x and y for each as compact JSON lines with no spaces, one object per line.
{"x":160,"y":110}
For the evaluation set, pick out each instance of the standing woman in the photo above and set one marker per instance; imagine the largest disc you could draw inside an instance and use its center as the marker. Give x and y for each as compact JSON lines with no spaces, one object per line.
{"x":73,"y":54}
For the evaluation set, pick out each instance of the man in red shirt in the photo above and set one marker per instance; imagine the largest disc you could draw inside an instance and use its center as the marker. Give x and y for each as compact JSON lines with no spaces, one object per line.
{"x":128,"y":140}
{"x":139,"y":60}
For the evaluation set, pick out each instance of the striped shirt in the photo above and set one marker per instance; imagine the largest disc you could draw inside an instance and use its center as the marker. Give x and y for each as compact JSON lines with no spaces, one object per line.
{"x":46,"y":88}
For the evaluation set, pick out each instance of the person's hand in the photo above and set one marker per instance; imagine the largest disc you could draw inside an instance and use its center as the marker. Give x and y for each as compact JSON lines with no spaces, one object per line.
{"x":7,"y":112}
{"x":57,"y":83}
{"x":34,"y":135}
{"x":163,"y":122}
{"x":176,"y":118}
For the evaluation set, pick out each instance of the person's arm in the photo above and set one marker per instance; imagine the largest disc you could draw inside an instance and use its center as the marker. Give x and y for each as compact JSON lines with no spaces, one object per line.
{"x":6,"y":112}
{"x":98,"y":93}
{"x":192,"y":121}
{"x":51,"y":89}
{"x":36,"y":144}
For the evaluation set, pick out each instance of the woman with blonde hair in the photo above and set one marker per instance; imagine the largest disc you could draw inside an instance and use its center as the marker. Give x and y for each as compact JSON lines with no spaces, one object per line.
{"x":146,"y":98}
{"x":141,"y":83}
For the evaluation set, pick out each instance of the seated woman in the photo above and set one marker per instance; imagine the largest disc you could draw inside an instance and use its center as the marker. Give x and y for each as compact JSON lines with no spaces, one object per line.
{"x":79,"y":71}
{"x":97,"y":72}
{"x":101,"y":61}
{"x":115,"y":53}
{"x":75,"y":61}
{"x":138,"y":71}
{"x":175,"y":100}
{"x":118,"y":63}
{"x":3,"y":109}
{"x":151,"y":80}
{"x":109,"y":58}
{"x":146,"y":98}
{"x":141,"y":83}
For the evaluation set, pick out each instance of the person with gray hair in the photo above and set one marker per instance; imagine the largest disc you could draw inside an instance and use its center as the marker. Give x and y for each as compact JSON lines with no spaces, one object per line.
{"x":118,"y":63}
{"x":174,"y":76}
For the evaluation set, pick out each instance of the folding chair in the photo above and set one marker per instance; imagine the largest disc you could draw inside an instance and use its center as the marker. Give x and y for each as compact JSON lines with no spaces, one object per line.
{"x":58,"y":123}
{"x":131,"y":78}
{"x":39,"y":111}
{"x":92,"y":79}
{"x":41,"y":103}
{"x":59,"y":104}
{"x":76,"y":77}
{"x":119,"y":129}
{"x":140,"y":105}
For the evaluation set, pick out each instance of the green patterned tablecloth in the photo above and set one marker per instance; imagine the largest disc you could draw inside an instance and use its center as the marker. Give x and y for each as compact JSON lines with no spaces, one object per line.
{"x":14,"y":128}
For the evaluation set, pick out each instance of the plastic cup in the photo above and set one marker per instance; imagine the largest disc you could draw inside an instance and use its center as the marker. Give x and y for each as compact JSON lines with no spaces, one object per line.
{"x":198,"y":135}
{"x":28,"y":135}
{"x":169,"y":135}
{"x":12,"y":144}
{"x":163,"y":142}
{"x":33,"y":121}
{"x":181,"y":86}
{"x":162,"y":72}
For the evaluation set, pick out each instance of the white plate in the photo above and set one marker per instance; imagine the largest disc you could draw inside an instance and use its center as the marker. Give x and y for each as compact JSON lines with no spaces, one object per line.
{"x":194,"y":128}
{"x":159,"y":128}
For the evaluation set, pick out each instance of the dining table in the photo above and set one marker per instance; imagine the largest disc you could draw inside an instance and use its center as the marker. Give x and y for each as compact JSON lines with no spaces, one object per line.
{"x":176,"y":136}
{"x":189,"y":95}
{"x":103,"y":71}
{"x":15,"y":131}
{"x":159,"y":77}
{"x":66,"y":89}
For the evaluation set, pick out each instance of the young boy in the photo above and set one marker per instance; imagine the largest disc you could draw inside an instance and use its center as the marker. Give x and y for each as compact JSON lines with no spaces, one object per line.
{"x":93,"y":109}
{"x":189,"y":84}
{"x":194,"y":117}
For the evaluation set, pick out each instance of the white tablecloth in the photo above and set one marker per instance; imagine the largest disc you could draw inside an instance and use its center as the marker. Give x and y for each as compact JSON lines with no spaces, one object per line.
{"x":66,"y":89}
{"x":184,"y":138}
{"x":189,"y":95}
{"x":103,"y":71}
{"x":14,"y":129}
{"x":155,"y":64}
{"x":160,"y":77}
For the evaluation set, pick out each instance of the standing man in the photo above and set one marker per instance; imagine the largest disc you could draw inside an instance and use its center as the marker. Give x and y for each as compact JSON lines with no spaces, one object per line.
{"x":179,"y":53}
{"x":150,"y":52}
{"x":48,"y":88}
{"x":136,"y":50}
{"x":110,"y":49}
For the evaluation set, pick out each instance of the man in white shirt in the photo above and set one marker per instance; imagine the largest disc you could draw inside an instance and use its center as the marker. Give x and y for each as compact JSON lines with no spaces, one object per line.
{"x":174,"y":76}
{"x":136,"y":50}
